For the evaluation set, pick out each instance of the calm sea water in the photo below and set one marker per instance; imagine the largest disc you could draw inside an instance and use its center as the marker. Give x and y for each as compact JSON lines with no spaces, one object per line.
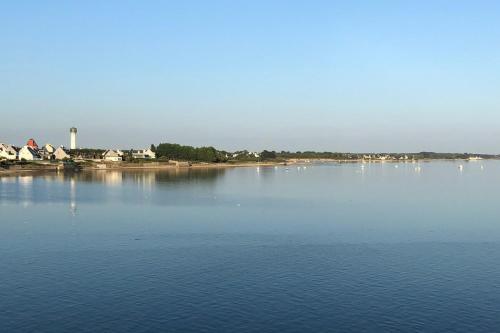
{"x":327,"y":248}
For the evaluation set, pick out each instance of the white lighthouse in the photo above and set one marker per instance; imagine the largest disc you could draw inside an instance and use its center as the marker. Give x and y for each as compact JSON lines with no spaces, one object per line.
{"x":72,"y":132}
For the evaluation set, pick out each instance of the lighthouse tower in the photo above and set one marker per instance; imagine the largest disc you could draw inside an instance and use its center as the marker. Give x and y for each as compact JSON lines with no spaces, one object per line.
{"x":72,"y":132}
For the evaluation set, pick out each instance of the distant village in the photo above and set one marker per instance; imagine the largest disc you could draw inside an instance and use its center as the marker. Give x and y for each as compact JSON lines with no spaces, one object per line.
{"x":31,"y":151}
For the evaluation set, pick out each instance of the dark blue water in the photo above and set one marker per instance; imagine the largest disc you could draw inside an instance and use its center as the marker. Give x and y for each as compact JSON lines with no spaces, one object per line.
{"x":329,"y":248}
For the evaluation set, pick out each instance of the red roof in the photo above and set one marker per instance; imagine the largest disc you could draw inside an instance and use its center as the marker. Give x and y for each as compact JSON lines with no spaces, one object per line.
{"x":32,"y":143}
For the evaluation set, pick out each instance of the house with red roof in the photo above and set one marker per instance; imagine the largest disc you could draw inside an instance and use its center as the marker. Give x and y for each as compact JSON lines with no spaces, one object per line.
{"x":32,"y":143}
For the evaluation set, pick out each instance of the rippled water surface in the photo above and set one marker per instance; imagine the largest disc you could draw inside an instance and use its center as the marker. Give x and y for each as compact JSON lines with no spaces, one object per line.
{"x":323,"y":248}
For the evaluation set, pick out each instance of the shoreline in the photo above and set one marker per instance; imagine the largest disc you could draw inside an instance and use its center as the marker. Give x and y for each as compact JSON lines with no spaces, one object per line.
{"x":44,"y":168}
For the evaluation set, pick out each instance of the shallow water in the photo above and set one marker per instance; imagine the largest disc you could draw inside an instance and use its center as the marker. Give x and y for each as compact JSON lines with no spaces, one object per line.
{"x":336,"y":247}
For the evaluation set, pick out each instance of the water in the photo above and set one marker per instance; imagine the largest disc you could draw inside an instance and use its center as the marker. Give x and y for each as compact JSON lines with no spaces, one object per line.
{"x":327,"y":248}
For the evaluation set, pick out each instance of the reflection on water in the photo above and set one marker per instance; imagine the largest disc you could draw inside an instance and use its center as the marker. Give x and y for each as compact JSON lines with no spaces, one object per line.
{"x":347,"y":247}
{"x":355,"y":201}
{"x":64,"y":186}
{"x":72,"y":196}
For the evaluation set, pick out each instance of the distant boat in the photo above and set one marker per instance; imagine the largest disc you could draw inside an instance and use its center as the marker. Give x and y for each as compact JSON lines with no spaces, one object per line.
{"x":460,"y":167}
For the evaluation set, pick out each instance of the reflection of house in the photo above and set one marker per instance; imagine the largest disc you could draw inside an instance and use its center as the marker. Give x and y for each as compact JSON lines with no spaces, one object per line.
{"x":29,"y":154}
{"x":145,"y":154}
{"x":113,"y":178}
{"x":111,"y":155}
{"x":7,"y":152}
{"x":61,"y":154}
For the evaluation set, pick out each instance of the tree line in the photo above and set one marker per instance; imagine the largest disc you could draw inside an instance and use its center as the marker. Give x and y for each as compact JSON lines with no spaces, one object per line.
{"x":173,"y":151}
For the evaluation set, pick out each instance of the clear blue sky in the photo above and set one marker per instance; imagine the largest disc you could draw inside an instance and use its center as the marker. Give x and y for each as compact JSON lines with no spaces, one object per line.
{"x":293,"y":75}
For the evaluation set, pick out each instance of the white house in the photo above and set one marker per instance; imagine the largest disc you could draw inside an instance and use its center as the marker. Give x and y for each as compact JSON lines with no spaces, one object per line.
{"x":145,"y":154}
{"x":47,"y":152}
{"x":111,"y":155}
{"x":61,"y":154}
{"x":29,"y":154}
{"x":7,"y":152}
{"x":49,"y":148}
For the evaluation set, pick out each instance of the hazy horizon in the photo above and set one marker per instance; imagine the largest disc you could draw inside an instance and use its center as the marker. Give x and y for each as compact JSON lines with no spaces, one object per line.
{"x":281,"y":75}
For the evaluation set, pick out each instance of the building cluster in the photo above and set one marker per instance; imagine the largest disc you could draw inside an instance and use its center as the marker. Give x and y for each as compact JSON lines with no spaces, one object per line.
{"x":385,"y":157}
{"x":118,"y":155}
{"x":244,"y":153}
{"x":32,"y":152}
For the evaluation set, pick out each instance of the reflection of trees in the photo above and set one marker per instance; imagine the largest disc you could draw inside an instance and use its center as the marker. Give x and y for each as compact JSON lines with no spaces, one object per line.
{"x":146,"y":177}
{"x":189,"y":175}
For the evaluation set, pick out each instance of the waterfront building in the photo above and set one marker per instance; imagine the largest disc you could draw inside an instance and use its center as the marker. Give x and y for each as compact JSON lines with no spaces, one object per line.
{"x":61,"y":154}
{"x":32,"y":144}
{"x":47,"y":152}
{"x":49,"y":148}
{"x":112,"y":156}
{"x":144,"y":154}
{"x":29,"y":154}
{"x":8,"y":152}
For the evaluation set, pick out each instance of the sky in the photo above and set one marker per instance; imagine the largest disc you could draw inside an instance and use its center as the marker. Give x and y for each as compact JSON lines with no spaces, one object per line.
{"x":347,"y":76}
